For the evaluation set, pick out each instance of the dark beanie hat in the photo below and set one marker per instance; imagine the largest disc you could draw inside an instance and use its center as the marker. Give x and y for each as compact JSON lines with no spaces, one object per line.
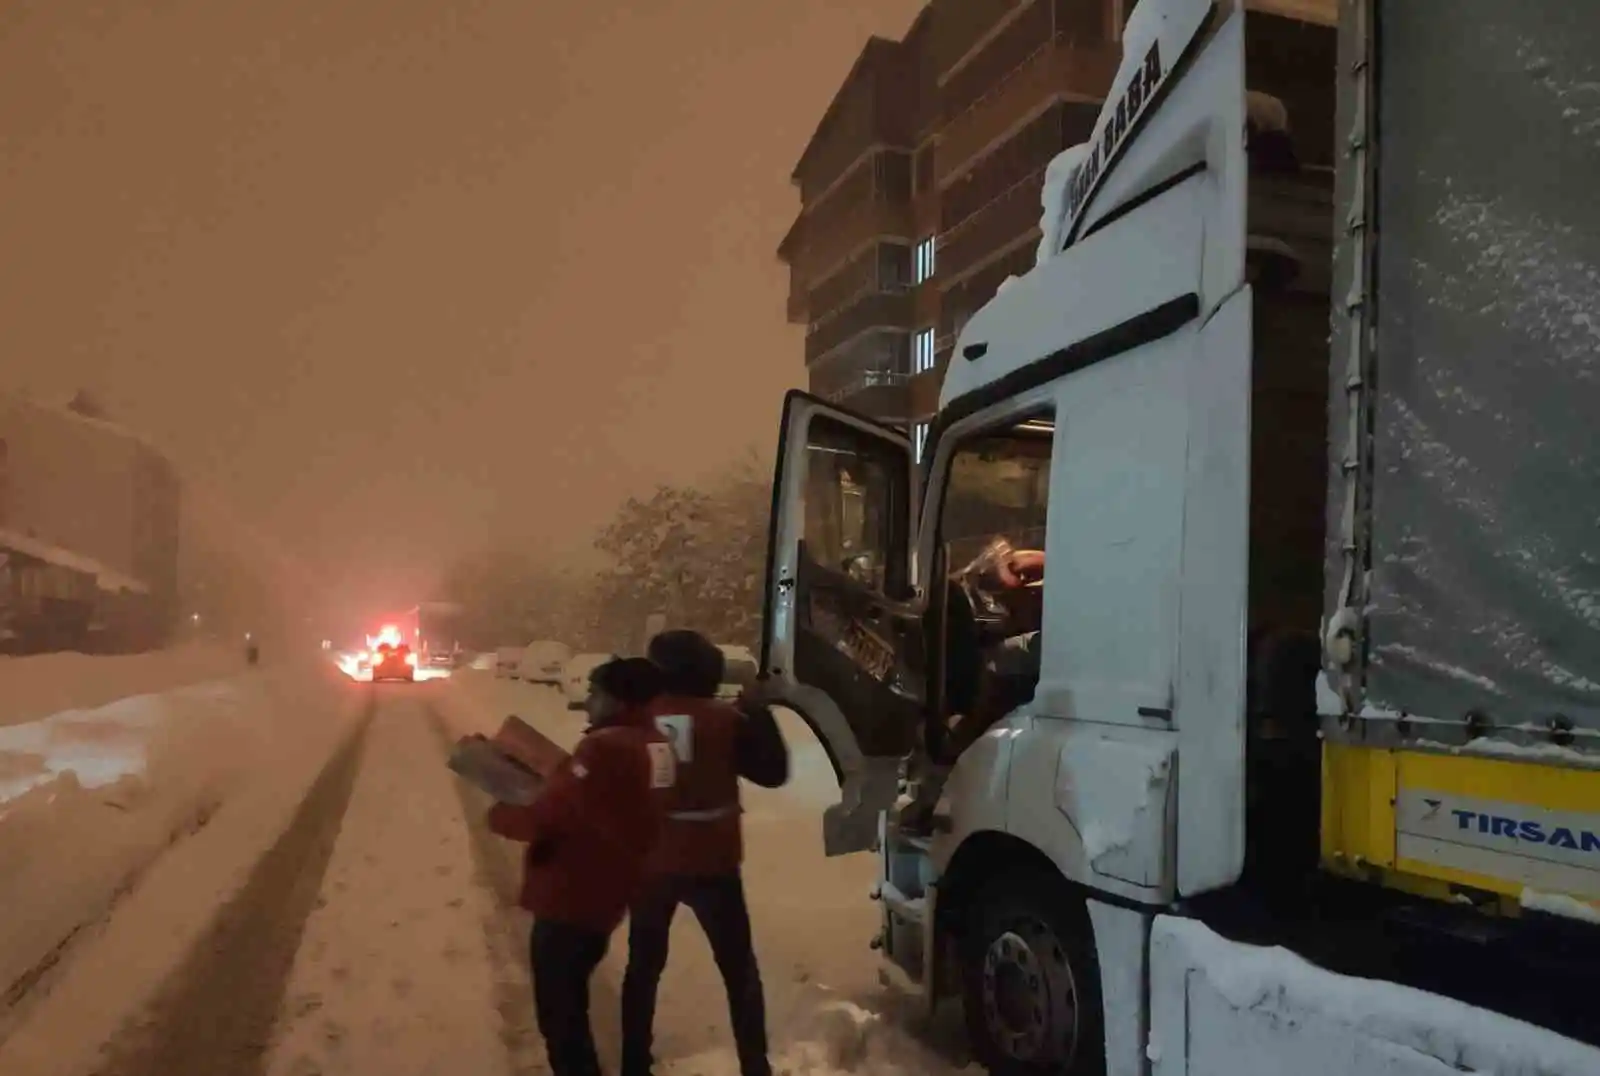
{"x":692,"y":664}
{"x":634,"y":681}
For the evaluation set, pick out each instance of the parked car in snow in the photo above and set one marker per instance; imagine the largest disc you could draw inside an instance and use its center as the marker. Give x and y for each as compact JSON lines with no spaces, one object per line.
{"x":575,"y":677}
{"x":544,"y":662}
{"x":506,"y":660}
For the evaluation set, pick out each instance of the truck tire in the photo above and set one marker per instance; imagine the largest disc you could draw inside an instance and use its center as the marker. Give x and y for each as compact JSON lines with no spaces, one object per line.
{"x":1030,"y":980}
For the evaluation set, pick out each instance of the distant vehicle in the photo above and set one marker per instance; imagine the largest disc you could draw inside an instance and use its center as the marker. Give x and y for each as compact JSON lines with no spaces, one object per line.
{"x":436,"y":630}
{"x":575,"y":677}
{"x":506,"y":660}
{"x":444,"y":659}
{"x":544,"y":662}
{"x":393,"y":662}
{"x":739,"y":670}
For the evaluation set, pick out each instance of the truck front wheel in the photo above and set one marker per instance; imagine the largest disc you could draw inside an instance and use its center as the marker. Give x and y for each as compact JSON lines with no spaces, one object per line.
{"x":1030,"y":981}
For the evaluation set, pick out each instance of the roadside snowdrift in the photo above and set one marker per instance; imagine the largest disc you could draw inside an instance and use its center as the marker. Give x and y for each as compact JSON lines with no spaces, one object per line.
{"x":1252,"y":1011}
{"x":112,"y":789}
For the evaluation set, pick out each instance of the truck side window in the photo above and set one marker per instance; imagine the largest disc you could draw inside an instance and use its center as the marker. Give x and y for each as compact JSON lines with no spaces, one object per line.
{"x":992,"y":524}
{"x":855,"y":504}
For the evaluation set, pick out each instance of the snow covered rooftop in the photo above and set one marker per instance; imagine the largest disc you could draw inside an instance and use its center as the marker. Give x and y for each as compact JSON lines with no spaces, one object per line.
{"x":106,"y":578}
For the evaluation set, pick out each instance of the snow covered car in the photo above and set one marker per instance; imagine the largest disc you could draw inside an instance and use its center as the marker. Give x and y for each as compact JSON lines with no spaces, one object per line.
{"x":544,"y":662}
{"x":394,"y":663}
{"x":739,"y":670}
{"x":506,"y":660}
{"x":575,"y":677}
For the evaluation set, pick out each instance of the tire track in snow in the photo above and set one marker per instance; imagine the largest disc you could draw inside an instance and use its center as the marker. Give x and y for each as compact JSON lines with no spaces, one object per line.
{"x":216,"y":1015}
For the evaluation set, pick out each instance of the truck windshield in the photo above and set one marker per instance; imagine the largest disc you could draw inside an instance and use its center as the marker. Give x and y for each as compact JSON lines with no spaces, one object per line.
{"x":998,"y":486}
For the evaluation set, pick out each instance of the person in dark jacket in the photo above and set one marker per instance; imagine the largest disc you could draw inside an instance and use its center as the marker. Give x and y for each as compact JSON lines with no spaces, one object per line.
{"x":589,"y":834}
{"x":697,"y":861}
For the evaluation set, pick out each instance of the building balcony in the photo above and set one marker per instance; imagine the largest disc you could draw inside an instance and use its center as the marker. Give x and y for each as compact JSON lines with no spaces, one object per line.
{"x":1052,"y":71}
{"x":868,"y":384}
{"x":831,"y":242}
{"x":884,"y":400}
{"x":873,"y":311}
{"x":957,"y":25}
{"x":995,"y":226}
{"x":869,"y":374}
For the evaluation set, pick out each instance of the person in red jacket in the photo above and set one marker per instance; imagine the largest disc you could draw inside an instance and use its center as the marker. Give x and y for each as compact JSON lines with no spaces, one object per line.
{"x":588,"y":834}
{"x":702,"y":847}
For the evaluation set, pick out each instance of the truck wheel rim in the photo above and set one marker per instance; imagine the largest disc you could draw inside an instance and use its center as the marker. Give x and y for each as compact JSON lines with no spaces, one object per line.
{"x":1030,"y":1000}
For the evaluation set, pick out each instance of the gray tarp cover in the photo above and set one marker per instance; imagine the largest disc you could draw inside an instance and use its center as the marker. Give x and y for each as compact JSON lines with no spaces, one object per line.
{"x":1486,"y":541}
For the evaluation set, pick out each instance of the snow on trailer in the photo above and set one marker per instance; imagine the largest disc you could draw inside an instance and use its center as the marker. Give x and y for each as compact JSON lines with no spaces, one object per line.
{"x":1221,"y":1007}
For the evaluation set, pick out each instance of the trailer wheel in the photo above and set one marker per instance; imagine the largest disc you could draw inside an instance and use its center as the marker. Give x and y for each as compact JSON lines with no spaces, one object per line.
{"x":1030,"y":980}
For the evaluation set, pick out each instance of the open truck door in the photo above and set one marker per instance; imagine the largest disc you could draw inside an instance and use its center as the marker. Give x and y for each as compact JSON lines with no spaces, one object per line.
{"x":842,"y":632}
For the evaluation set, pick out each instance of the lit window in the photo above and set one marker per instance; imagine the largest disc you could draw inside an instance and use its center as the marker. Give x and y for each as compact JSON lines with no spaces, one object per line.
{"x":923,"y":260}
{"x":919,"y":440}
{"x":922,"y":351}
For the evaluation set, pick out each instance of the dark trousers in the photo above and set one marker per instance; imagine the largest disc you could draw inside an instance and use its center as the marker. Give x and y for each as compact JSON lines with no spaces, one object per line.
{"x":564,"y":957}
{"x":717,"y":901}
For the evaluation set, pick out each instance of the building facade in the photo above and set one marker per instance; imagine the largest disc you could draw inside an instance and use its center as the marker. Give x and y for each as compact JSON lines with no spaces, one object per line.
{"x":919,"y":189}
{"x":87,"y":508}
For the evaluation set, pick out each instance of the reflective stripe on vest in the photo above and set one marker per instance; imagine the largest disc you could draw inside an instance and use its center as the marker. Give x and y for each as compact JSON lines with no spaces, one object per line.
{"x":704,"y":816}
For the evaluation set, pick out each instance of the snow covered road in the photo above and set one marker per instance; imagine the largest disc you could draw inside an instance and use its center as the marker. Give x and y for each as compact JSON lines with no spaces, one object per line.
{"x":344,"y":911}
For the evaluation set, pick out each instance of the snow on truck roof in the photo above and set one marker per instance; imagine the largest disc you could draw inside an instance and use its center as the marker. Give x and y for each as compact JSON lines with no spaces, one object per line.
{"x":1055,"y":304}
{"x":1050,"y":307}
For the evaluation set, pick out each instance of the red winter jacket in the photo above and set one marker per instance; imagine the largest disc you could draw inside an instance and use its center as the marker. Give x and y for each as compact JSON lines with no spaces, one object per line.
{"x":715,"y":744}
{"x":592,"y":828}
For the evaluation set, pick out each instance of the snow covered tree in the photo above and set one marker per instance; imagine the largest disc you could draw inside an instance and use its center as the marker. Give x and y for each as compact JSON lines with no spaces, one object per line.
{"x":513,"y":598}
{"x":694,"y":555}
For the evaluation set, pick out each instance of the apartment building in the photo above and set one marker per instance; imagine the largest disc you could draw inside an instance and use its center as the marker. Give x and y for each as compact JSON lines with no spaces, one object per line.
{"x":919,"y":189}
{"x":88,"y":529}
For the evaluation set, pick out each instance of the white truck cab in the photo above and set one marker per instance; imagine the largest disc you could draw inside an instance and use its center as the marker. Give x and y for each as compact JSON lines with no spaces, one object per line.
{"x":1172,"y":731}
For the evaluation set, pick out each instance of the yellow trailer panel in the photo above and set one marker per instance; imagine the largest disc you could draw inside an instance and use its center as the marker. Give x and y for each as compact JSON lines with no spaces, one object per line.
{"x":1447,"y":825}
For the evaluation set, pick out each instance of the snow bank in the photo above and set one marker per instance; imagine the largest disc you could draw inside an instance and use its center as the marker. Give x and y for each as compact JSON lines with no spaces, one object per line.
{"x":106,"y":890}
{"x":41,"y":684}
{"x":91,"y":797}
{"x":1243,"y":1010}
{"x":1564,"y":906}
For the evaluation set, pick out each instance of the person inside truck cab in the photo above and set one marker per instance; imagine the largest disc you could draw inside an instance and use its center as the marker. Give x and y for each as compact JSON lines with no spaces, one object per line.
{"x":1015,"y":661}
{"x":1007,"y":670}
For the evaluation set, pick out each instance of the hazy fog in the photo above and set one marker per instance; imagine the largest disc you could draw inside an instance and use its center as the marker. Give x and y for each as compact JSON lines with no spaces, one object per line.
{"x":399,"y":277}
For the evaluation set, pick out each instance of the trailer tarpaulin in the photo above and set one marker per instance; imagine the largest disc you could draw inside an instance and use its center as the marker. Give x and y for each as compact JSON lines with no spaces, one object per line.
{"x":1485,"y":540}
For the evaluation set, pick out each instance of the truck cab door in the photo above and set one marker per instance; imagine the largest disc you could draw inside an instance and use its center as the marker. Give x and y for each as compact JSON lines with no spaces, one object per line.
{"x":842,"y":632}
